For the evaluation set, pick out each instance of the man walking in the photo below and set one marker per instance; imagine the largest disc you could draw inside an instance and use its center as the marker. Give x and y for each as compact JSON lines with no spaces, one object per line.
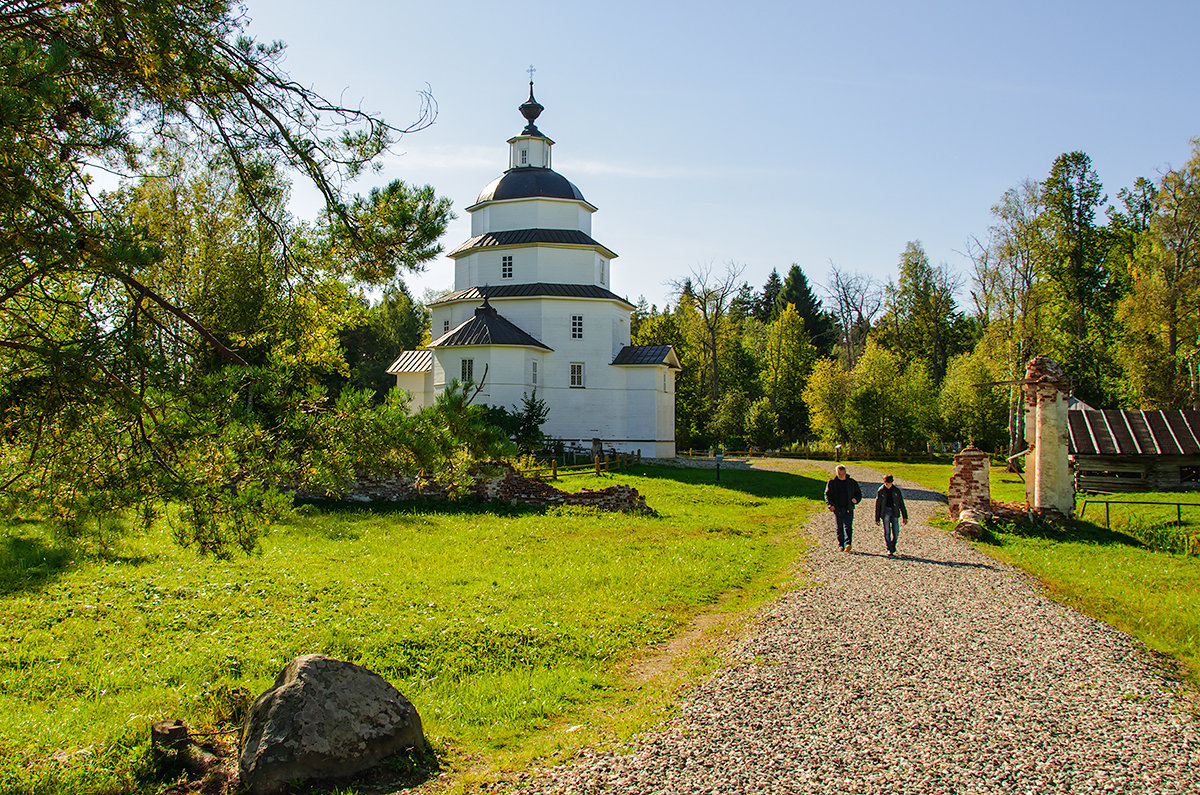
{"x":841,"y":495}
{"x":889,"y":507}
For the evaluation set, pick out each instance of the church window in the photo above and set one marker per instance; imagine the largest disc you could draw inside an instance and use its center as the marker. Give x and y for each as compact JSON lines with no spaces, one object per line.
{"x":468,"y":370}
{"x":576,"y":327}
{"x":577,"y":375}
{"x":445,"y":326}
{"x":533,"y":375}
{"x":506,"y":267}
{"x":664,"y":382}
{"x":602,"y":271}
{"x":524,"y":156}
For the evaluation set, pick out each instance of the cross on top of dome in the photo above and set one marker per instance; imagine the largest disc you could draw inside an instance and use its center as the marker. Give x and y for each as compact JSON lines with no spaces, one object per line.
{"x":531,"y":109}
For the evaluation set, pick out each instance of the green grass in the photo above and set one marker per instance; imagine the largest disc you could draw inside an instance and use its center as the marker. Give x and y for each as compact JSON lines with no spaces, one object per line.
{"x":1006,"y":486}
{"x":503,"y":627}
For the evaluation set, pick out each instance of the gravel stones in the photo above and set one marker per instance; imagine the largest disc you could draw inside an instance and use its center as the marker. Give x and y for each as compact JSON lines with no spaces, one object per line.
{"x":937,"y":671}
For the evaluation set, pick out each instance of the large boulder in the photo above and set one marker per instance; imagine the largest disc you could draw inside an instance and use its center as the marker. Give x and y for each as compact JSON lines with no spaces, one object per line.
{"x":323,"y":719}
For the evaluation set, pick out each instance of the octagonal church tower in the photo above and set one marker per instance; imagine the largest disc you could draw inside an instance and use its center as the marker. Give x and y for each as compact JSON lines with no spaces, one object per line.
{"x":532,"y":310}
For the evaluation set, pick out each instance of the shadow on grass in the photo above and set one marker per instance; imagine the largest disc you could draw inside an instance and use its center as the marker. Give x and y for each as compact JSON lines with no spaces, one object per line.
{"x":756,"y":482}
{"x":28,"y":563}
{"x":1072,"y":532}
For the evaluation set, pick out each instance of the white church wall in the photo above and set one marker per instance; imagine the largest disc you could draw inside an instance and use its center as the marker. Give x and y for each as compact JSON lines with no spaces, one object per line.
{"x":532,"y":214}
{"x":420,"y":386}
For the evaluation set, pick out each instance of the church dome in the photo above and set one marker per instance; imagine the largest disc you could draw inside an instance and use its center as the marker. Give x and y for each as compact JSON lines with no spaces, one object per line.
{"x":525,"y":183}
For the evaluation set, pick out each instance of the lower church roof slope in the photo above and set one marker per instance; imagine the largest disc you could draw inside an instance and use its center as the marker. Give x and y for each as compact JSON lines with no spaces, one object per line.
{"x":531,"y":290}
{"x":487,"y":327}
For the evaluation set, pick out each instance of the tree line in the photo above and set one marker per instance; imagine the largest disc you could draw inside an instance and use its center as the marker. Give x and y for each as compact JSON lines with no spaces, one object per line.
{"x":1111,"y":290}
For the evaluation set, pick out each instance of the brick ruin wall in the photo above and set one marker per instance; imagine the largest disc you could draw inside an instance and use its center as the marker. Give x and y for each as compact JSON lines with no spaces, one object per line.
{"x":970,"y":485}
{"x":508,"y":486}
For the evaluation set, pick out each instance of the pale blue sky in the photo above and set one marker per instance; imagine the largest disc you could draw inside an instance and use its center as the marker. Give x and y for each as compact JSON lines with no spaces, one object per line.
{"x":762,"y":133}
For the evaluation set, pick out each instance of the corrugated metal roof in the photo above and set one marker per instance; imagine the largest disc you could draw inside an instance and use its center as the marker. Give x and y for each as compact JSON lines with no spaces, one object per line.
{"x":1134,"y":432}
{"x":412,"y":362}
{"x":487,"y":327}
{"x":526,"y":237}
{"x":531,"y":290}
{"x":648,"y":354}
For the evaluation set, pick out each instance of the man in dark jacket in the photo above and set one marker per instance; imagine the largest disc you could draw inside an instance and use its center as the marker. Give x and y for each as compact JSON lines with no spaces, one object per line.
{"x":889,"y":507}
{"x":841,"y":495}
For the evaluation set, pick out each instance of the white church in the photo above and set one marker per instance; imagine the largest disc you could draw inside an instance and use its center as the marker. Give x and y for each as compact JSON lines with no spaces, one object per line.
{"x":532,"y":310}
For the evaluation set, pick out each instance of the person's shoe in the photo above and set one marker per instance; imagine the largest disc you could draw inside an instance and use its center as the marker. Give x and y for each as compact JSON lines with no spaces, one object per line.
{"x":848,"y":547}
{"x":841,"y":547}
{"x":891,"y":554}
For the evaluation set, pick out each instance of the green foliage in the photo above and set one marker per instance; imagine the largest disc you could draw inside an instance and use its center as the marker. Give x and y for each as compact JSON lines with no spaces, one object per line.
{"x":788,"y":358}
{"x":170,"y":340}
{"x":500,"y":626}
{"x":882,"y":405}
{"x":761,"y":424}
{"x":974,"y":414}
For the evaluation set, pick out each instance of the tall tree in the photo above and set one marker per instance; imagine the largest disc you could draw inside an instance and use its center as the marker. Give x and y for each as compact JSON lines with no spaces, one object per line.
{"x":1075,"y":268}
{"x":819,"y":323}
{"x":856,"y":300}
{"x":789,"y":359}
{"x":768,"y":299}
{"x":1161,"y":313}
{"x":923,"y":322}
{"x":710,"y":294}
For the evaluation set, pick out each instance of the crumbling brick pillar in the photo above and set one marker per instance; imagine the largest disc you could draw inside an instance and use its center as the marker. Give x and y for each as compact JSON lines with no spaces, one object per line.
{"x":970,"y":485}
{"x":1048,"y":483}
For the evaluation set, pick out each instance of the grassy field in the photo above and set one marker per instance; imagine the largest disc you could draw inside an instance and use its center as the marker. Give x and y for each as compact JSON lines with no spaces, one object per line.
{"x":504,"y":628}
{"x":1128,"y":575}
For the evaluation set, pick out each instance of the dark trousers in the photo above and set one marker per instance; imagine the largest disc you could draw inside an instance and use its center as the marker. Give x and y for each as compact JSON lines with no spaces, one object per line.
{"x":891,"y":530}
{"x":845,"y":525}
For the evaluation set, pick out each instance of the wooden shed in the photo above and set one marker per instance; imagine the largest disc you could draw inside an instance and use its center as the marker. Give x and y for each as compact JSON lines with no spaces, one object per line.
{"x":1135,"y":450}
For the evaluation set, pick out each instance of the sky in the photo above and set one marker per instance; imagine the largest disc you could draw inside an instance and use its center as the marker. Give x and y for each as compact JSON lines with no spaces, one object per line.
{"x":759,"y":134}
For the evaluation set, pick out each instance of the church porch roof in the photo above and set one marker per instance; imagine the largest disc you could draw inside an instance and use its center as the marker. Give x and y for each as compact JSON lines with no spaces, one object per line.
{"x":648,"y":354}
{"x":412,"y":362}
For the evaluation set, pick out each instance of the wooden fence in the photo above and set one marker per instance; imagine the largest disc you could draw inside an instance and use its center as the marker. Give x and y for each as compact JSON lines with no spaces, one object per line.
{"x":601,"y":463}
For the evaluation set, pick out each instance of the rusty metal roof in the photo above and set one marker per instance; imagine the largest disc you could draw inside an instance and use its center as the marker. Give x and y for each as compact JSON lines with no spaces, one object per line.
{"x":412,"y":362}
{"x":648,"y":354}
{"x":526,"y":237}
{"x":1171,"y":432}
{"x":531,"y":290}
{"x":487,"y":327}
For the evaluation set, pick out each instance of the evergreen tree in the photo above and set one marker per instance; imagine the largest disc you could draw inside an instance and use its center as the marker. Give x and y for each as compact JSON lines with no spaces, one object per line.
{"x":819,"y":323}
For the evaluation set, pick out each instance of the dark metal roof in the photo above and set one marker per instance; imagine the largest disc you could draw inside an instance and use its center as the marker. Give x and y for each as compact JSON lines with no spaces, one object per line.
{"x":532,"y":290}
{"x":525,"y":237}
{"x":412,"y":362}
{"x":487,"y":327}
{"x":1134,"y":432}
{"x":648,"y":354}
{"x":529,"y":182}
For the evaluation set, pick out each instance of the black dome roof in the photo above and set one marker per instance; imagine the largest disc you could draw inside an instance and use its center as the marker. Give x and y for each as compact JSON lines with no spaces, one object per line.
{"x":523,"y":183}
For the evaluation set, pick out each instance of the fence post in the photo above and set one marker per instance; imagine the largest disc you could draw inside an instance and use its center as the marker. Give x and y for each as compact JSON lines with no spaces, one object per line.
{"x":639,"y":456}
{"x":1107,"y":524}
{"x":1178,"y":514}
{"x":554,"y":469}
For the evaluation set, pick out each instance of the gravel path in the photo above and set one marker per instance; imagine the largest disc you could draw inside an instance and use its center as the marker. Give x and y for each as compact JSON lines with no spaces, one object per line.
{"x":938,"y":671}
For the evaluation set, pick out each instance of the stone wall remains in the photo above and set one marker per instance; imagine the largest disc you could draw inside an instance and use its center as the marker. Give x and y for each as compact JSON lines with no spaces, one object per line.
{"x":970,"y":485}
{"x":501,"y":483}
